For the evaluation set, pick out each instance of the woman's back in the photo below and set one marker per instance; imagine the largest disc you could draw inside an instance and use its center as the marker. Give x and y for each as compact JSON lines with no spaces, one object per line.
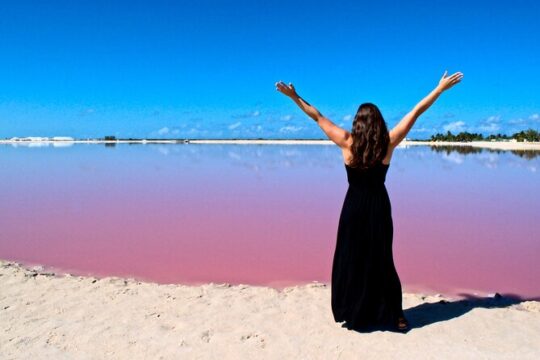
{"x":373,"y":176}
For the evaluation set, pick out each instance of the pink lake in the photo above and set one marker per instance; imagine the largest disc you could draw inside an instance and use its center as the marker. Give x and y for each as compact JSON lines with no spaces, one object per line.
{"x":464,"y":221}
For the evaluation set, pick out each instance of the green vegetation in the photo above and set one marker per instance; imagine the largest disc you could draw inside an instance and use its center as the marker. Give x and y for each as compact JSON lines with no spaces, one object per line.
{"x":462,"y":136}
{"x":526,"y":135}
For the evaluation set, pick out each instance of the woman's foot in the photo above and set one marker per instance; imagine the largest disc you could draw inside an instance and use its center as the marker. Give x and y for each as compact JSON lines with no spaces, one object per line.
{"x":403,"y":324}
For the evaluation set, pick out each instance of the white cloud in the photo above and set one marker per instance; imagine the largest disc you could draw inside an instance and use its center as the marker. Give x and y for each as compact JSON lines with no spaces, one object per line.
{"x":455,"y":126}
{"x":235,"y":125}
{"x":347,"y":117}
{"x":493,"y":119}
{"x":286,"y":117}
{"x":247,"y":115}
{"x":534,"y":117}
{"x":491,"y":124}
{"x":290,"y":128}
{"x":516,"y":121}
{"x":175,"y":132}
{"x":163,"y":131}
{"x":422,"y":129}
{"x":490,"y":127}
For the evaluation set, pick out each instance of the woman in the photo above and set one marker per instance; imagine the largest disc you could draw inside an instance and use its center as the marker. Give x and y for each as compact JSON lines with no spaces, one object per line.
{"x":366,"y":289}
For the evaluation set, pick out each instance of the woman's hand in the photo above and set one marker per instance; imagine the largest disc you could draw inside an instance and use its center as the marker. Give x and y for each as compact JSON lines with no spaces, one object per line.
{"x":288,"y":90}
{"x":447,"y":82}
{"x":399,"y":132}
{"x":334,"y":132}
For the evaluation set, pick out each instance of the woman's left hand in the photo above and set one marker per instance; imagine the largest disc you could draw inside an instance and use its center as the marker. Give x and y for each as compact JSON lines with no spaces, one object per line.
{"x":288,"y":90}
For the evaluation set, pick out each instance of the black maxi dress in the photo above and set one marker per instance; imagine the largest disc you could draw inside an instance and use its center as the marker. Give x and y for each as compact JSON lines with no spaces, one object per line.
{"x":365,"y":287}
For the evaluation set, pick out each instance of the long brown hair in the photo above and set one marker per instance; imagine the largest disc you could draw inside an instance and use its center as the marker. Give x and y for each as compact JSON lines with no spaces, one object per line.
{"x":370,"y":137}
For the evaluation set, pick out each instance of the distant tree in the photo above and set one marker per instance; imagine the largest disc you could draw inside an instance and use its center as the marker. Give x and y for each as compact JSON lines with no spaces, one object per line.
{"x":527,"y":135}
{"x":110,"y":137}
{"x":464,"y":136}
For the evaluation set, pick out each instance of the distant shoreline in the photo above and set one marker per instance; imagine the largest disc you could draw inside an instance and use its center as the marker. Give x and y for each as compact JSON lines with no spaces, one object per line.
{"x":500,"y":145}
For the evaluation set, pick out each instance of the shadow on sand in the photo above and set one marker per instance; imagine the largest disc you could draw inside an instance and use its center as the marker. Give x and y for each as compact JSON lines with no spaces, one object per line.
{"x":430,"y":313}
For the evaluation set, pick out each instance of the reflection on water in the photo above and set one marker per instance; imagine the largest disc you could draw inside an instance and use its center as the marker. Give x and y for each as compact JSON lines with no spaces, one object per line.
{"x":298,"y":156}
{"x":464,"y":217}
{"x":464,"y":149}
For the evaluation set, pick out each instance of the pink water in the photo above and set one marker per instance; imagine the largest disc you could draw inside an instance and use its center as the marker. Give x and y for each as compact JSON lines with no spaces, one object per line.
{"x":267,"y":214}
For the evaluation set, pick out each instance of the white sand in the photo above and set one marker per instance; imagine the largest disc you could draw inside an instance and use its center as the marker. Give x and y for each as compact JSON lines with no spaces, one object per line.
{"x":498,"y":145}
{"x":47,"y":316}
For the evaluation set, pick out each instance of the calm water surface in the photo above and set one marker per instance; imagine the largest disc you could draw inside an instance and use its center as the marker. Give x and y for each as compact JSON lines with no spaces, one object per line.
{"x":465,"y":220}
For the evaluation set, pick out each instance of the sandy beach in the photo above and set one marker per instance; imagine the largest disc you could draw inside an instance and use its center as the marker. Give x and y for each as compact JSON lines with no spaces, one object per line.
{"x":495,"y":145}
{"x":62,"y":316}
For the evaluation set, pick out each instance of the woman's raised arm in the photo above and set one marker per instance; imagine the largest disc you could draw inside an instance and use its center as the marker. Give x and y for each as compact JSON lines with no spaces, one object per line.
{"x":401,"y":130}
{"x":334,"y":132}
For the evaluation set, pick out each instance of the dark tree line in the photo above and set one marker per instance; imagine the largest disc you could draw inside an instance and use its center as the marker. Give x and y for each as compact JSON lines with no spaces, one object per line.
{"x":524,"y":135}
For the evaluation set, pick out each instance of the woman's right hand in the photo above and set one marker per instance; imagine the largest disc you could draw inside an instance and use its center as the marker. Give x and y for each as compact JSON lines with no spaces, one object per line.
{"x":447,"y":82}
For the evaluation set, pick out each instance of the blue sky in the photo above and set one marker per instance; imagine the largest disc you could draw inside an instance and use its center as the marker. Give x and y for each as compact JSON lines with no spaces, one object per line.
{"x":206,"y":69}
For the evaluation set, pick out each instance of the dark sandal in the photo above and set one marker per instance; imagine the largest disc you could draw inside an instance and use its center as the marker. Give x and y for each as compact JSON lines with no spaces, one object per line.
{"x":403,"y":324}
